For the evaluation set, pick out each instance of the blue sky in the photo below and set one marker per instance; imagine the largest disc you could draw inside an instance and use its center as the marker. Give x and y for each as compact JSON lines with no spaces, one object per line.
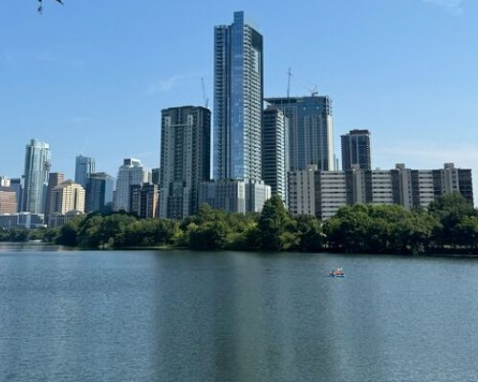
{"x":93,"y":76}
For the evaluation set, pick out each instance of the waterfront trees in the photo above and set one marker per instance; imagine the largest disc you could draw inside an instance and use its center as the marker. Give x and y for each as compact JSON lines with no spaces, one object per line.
{"x":449,"y":224}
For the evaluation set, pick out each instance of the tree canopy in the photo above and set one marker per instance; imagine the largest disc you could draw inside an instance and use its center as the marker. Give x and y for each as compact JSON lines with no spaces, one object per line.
{"x":450,"y":224}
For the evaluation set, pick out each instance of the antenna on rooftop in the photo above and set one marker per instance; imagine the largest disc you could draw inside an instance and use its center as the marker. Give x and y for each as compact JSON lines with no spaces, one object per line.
{"x":289,"y":75}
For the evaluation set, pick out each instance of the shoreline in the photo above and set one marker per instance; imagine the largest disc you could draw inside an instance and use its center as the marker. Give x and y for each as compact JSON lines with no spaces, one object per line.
{"x":445,"y":254}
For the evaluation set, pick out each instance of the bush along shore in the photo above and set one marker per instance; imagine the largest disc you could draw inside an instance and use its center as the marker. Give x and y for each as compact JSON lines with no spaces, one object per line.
{"x":449,"y":225}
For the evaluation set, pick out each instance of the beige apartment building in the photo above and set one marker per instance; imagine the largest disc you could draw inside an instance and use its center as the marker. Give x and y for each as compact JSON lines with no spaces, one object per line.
{"x":67,"y":196}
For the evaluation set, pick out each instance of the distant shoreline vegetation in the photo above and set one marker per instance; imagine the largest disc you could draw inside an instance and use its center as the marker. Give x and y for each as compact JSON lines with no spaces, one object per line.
{"x":448,"y":225}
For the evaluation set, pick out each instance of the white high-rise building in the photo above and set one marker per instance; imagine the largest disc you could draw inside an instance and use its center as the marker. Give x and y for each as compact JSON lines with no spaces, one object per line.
{"x":130,"y":173}
{"x":323,"y":193}
{"x":275,"y":151}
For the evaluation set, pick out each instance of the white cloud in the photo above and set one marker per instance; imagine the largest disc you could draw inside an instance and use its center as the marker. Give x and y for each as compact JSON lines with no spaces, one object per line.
{"x":171,"y":83}
{"x":452,"y":6}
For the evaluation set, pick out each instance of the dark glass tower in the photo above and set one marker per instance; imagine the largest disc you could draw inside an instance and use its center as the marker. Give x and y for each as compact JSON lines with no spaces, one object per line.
{"x":311,"y":131}
{"x":356,"y":150}
{"x":99,"y":192}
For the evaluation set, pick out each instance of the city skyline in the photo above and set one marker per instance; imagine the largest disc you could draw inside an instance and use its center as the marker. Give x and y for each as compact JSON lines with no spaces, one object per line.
{"x":417,"y":134}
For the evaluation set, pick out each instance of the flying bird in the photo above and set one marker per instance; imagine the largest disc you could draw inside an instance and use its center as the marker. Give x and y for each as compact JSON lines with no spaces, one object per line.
{"x":40,"y":8}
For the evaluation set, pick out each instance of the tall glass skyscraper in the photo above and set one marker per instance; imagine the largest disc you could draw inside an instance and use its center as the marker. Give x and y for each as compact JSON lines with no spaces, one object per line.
{"x":37,"y":168}
{"x":84,"y":167}
{"x":238,"y":98}
{"x":311,"y":131}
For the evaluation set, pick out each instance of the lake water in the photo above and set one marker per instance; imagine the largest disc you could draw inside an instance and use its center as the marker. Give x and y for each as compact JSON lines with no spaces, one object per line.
{"x":189,"y":316}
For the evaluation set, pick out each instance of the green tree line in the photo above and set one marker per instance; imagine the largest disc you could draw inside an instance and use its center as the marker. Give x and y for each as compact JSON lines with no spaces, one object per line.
{"x":450,"y":224}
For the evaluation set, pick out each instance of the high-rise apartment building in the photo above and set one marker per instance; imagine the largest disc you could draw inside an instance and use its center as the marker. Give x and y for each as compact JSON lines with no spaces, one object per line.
{"x":99,"y":192}
{"x":311,"y":131}
{"x":238,"y":98}
{"x":356,"y":150}
{"x":54,"y":179}
{"x":144,"y":200}
{"x":8,"y":201}
{"x":66,"y":197}
{"x":83,"y":168}
{"x":130,"y":173}
{"x":37,"y":168}
{"x":322,"y":193}
{"x":185,"y":159}
{"x":275,"y":154}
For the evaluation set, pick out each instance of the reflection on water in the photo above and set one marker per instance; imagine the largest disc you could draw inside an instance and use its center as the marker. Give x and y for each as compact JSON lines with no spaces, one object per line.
{"x":184,"y":316}
{"x":31,"y":247}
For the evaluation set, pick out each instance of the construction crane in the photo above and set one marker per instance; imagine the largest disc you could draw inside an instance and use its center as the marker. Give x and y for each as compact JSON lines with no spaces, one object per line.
{"x":289,"y":75}
{"x":206,"y":100}
{"x":305,"y":84}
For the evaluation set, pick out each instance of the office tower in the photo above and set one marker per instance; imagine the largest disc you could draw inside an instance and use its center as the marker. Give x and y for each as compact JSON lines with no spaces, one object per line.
{"x":99,"y":192}
{"x":275,"y":153}
{"x":144,"y":200}
{"x":185,"y":159}
{"x":8,"y":201}
{"x":54,"y":179}
{"x":17,"y":185}
{"x":67,"y":196}
{"x":356,"y":150}
{"x":84,"y":167}
{"x":238,"y":98}
{"x":155,"y":176}
{"x":322,"y":193}
{"x":37,"y":168}
{"x":4,"y":181}
{"x":130,"y":173}
{"x":311,"y":132}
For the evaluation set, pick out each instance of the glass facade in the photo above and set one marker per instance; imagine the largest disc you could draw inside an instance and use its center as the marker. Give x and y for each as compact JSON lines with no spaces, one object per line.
{"x":84,"y":167}
{"x":311,"y":139}
{"x":356,"y":150}
{"x":238,"y":96}
{"x":37,"y":168}
{"x":99,"y":193}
